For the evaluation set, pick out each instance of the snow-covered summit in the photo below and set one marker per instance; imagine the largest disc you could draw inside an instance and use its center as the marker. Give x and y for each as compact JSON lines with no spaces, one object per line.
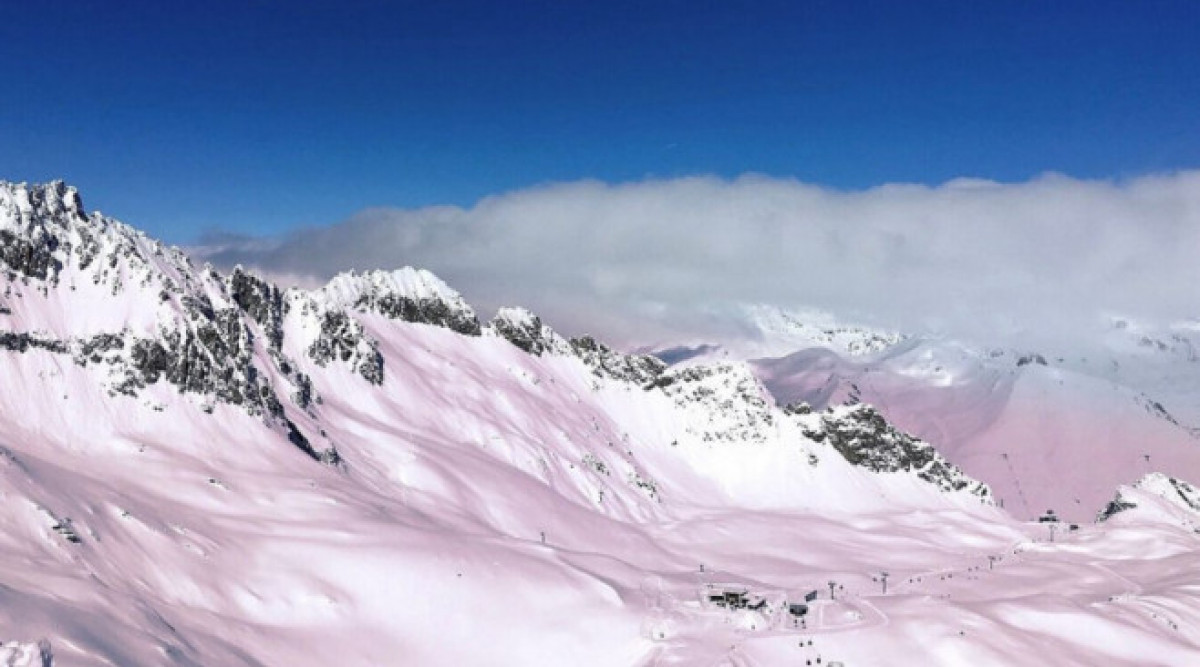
{"x":348,"y":288}
{"x":27,"y":205}
{"x":1156,"y":497}
{"x":783,"y":331}
{"x":45,"y":230}
{"x":413,"y":295}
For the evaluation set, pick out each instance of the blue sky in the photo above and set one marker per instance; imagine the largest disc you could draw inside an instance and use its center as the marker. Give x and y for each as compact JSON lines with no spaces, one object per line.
{"x":257,"y":117}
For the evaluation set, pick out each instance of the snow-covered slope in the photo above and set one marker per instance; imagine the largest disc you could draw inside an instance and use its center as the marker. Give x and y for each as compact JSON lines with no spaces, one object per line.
{"x":199,"y":468}
{"x":1039,"y":430}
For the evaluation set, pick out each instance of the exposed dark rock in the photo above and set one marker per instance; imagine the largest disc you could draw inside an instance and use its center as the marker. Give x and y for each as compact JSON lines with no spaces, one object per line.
{"x":343,"y":338}
{"x":1116,"y":506}
{"x":1027,"y":359}
{"x":1186,"y":492}
{"x":213,"y":356}
{"x":20,"y":342}
{"x":421,"y":310}
{"x":198,"y":307}
{"x":329,"y":457}
{"x":198,"y":348}
{"x":297,"y":438}
{"x":604,"y":362}
{"x":67,"y":530}
{"x":521,"y":328}
{"x":304,"y":395}
{"x":262,"y":301}
{"x":150,"y":359}
{"x":89,"y":247}
{"x":801,"y":408}
{"x":93,"y":349}
{"x":864,"y":438}
{"x":1155,"y":408}
{"x":33,"y":257}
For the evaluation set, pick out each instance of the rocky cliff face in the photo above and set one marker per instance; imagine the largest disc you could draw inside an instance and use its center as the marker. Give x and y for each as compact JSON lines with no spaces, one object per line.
{"x":861,"y":435}
{"x":342,"y":339}
{"x":605,"y":362}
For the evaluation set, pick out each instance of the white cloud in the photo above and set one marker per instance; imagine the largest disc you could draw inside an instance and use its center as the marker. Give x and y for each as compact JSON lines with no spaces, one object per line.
{"x":662,"y":260}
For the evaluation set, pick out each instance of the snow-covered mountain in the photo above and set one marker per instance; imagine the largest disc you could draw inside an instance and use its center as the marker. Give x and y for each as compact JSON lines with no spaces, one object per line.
{"x":198,"y":467}
{"x":770,"y":331}
{"x":1045,"y":431}
{"x":1156,"y":496}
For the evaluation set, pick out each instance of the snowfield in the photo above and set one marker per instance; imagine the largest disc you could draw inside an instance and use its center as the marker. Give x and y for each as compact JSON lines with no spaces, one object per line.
{"x":202,"y":469}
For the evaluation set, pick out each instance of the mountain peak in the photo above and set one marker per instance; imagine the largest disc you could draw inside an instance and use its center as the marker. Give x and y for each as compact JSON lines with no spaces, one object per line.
{"x":23,"y":202}
{"x":407,"y":281}
{"x":412,"y":295}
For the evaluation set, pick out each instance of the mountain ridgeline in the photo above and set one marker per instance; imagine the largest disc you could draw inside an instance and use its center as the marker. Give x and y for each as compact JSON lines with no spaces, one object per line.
{"x":100,"y":294}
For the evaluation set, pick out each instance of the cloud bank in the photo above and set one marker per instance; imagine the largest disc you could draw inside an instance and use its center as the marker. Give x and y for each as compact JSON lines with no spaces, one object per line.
{"x":661,"y":261}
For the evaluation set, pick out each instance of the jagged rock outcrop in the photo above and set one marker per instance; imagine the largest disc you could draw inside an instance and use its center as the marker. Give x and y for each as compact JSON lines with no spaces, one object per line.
{"x":192,"y":329}
{"x":30,"y":239}
{"x":605,"y":362}
{"x":801,"y":408}
{"x":44,"y":231}
{"x":731,"y":405}
{"x":22,"y":341}
{"x":526,"y":330}
{"x":342,"y":338}
{"x":864,"y":438}
{"x":1114,"y":507}
{"x":97,"y":348}
{"x":262,"y":301}
{"x":33,"y":258}
{"x":424,"y":311}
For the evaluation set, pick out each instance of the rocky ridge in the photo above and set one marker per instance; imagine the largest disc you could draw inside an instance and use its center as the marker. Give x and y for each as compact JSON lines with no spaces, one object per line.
{"x":225,"y":338}
{"x":526,"y":330}
{"x":861,"y":435}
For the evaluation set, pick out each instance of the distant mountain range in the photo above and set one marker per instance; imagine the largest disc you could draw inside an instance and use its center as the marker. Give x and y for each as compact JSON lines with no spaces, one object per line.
{"x":1046,"y":429}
